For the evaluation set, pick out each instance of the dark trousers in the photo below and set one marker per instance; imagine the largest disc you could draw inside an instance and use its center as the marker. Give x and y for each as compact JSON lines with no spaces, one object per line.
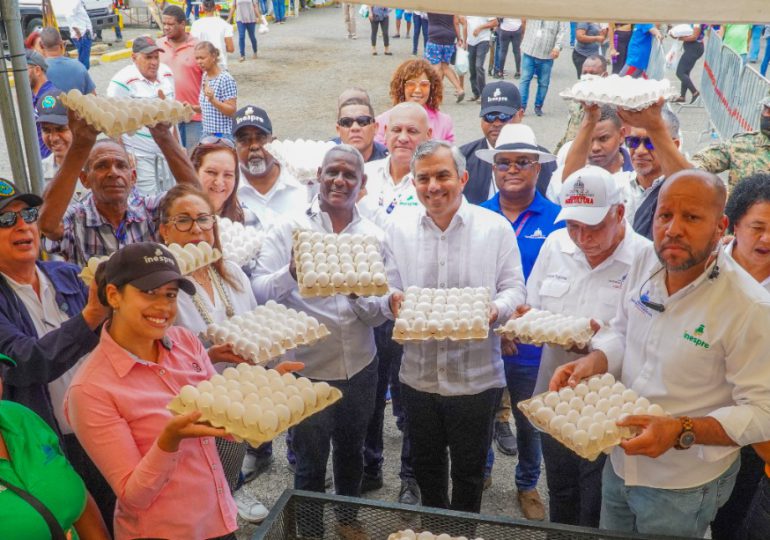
{"x":578,"y":59}
{"x":727,"y":523}
{"x":621,"y":45}
{"x":691,"y":52}
{"x":574,"y":484}
{"x":389,"y":355}
{"x":756,"y":526}
{"x":463,"y":424}
{"x":478,"y":74}
{"x":505,"y":37}
{"x":385,"y":36}
{"x":97,"y":486}
{"x":243,"y":28}
{"x":420,"y":26}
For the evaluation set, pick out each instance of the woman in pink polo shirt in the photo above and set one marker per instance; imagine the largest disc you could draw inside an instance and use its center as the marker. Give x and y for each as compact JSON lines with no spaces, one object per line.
{"x":164,"y":469}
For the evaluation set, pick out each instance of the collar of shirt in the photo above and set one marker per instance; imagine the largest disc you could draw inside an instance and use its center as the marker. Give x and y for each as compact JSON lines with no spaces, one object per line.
{"x":537,"y":206}
{"x":169,"y":47}
{"x":624,"y":253}
{"x":122,"y":360}
{"x":729,"y":251}
{"x":285,"y":181}
{"x":314,"y":213}
{"x":44,"y":308}
{"x":135,"y":211}
{"x":459,"y":219}
{"x":130,"y":74}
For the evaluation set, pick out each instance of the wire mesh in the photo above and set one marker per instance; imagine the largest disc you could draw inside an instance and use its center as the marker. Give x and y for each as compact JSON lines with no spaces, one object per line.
{"x":304,"y":515}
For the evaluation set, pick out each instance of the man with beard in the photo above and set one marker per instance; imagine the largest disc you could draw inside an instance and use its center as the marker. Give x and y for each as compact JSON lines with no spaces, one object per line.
{"x":265,"y":183}
{"x":743,"y":155}
{"x":690,"y":335}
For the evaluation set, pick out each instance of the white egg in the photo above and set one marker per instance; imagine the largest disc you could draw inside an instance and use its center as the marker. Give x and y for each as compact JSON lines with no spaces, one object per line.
{"x":588,"y":410}
{"x":251,"y":415}
{"x":629,"y":396}
{"x":557,"y":422}
{"x":551,"y":399}
{"x":592,"y":398}
{"x":230,"y":374}
{"x":338,"y":279}
{"x":566,"y":394}
{"x":583,"y":422}
{"x":235,"y":411}
{"x":611,"y":429}
{"x":640,"y":410}
{"x":377,"y":267}
{"x":576,"y":404}
{"x":188,"y":394}
{"x":618,"y":388}
{"x":220,"y":404}
{"x":655,"y":410}
{"x":296,"y":406}
{"x":607,"y":379}
{"x":218,"y":380}
{"x":594,"y":384}
{"x":581,"y":389}
{"x":599,"y":417}
{"x":568,"y":430}
{"x":378,"y":278}
{"x":309,"y":397}
{"x":580,"y":438}
{"x":573,"y":416}
{"x":322,"y":268}
{"x":562,"y":408}
{"x":545,"y":415}
{"x":268,"y":422}
{"x":616,"y":400}
{"x":627,"y":408}
{"x":604,"y":392}
{"x":535,"y":405}
{"x":613,"y":412}
{"x":642,"y":402}
{"x":323,"y":390}
{"x":603,"y":405}
{"x":283,"y":413}
{"x":323,"y":280}
{"x":351,"y":278}
{"x":596,"y":431}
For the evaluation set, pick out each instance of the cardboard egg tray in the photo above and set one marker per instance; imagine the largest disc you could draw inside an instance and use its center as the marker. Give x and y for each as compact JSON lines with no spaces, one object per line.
{"x":302,"y":158}
{"x":240,"y":244}
{"x":624,"y":92}
{"x":330,"y":264}
{"x":454,"y":314}
{"x":266,"y":332}
{"x":538,"y":327}
{"x":254,"y":404}
{"x":409,"y":534}
{"x":88,"y":273}
{"x":584,"y":418}
{"x":116,"y":116}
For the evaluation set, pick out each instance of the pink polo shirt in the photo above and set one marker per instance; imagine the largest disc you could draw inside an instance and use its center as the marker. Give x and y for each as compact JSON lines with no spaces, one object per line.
{"x":116,"y":405}
{"x":187,"y":74}
{"x":440,"y":123}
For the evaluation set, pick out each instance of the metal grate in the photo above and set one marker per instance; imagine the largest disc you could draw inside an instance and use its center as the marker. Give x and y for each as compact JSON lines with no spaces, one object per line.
{"x":305,"y":515}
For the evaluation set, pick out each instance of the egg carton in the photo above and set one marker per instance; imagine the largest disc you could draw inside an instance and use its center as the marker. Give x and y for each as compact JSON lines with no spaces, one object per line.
{"x":254,"y":404}
{"x":193,"y":257}
{"x":266,"y":332}
{"x":584,"y":418}
{"x":537,"y":327}
{"x":88,"y":273}
{"x":115,"y":116}
{"x":329,"y":264}
{"x":624,"y":92}
{"x":454,"y":314}
{"x":409,"y":534}
{"x":302,"y":158}
{"x":240,"y":244}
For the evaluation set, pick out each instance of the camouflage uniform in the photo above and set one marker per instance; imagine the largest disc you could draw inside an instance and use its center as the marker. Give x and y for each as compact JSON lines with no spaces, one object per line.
{"x":576,"y":114}
{"x":743,"y":155}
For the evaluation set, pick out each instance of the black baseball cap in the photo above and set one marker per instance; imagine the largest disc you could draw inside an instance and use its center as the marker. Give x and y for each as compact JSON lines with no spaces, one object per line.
{"x":251,"y":115}
{"x":7,"y":360}
{"x":146,"y":266}
{"x":51,"y":110}
{"x":145,"y":45}
{"x":34,"y":58}
{"x":500,"y":96}
{"x":9,"y":193}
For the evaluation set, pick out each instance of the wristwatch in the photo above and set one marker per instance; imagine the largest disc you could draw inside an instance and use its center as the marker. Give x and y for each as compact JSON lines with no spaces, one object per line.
{"x":687,"y":436}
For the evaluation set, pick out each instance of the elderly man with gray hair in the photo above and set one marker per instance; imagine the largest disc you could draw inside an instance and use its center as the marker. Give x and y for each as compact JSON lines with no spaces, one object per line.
{"x":450,"y":389}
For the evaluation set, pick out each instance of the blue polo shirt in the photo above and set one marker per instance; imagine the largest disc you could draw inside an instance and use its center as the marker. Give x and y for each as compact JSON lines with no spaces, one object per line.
{"x":531,"y":228}
{"x":639,"y":46}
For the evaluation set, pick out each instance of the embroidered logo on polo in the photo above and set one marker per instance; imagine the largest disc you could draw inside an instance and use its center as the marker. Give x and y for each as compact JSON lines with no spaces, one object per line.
{"x":618,"y":283}
{"x":49,"y":102}
{"x":695,"y":337}
{"x":537,"y":235}
{"x":6,"y":189}
{"x":579,"y":195}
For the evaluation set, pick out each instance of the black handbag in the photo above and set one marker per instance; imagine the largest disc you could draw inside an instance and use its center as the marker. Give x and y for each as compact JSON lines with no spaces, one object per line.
{"x":57,"y":533}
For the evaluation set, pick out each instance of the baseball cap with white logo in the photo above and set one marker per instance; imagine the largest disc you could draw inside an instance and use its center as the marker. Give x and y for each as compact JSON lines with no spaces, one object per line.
{"x":587,"y":195}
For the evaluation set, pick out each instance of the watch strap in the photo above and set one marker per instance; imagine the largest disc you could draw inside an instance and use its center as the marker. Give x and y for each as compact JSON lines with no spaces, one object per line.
{"x":687,"y":426}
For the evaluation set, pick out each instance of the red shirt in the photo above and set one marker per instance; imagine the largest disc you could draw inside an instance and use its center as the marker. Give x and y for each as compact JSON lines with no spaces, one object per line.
{"x":187,"y":74}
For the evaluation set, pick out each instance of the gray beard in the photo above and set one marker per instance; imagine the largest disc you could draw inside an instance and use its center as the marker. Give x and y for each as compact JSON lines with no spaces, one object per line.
{"x":257,"y":167}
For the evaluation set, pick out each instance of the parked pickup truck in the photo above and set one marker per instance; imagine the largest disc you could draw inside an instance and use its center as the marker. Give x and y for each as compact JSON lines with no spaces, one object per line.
{"x":100,"y":12}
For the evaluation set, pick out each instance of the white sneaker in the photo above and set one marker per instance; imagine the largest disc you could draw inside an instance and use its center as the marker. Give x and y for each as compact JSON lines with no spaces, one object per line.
{"x":249,"y":508}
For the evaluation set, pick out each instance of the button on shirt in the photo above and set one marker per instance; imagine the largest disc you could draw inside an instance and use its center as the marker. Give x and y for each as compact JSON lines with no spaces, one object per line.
{"x":386,"y":199}
{"x":46,"y":315}
{"x":286,"y":198}
{"x":562,"y":281}
{"x":705,"y":355}
{"x":128,"y":82}
{"x":187,"y":74}
{"x":117,"y":406}
{"x":350,"y":347}
{"x":478,"y":249}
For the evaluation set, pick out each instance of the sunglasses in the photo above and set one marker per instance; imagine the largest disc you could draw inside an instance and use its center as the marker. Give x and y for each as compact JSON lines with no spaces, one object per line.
{"x":212,"y":139}
{"x":347,"y":121}
{"x":185,"y":223}
{"x":29,"y":215}
{"x":423,"y":84}
{"x":493,"y":117}
{"x":521,"y":164}
{"x":634,"y":142}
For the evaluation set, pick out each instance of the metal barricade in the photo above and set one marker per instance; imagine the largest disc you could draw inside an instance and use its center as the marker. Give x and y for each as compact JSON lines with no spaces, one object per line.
{"x":754,"y":88}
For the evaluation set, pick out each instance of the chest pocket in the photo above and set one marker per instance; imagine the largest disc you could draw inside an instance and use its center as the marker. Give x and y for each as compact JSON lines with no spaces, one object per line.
{"x":552,"y":294}
{"x":607,"y":306}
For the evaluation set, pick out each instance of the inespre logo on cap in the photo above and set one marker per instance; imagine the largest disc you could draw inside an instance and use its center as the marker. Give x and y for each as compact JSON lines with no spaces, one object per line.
{"x":49,"y":102}
{"x":159,"y":257}
{"x":579,"y":195}
{"x":6,"y":189}
{"x":249,"y":116}
{"x":497,"y":96}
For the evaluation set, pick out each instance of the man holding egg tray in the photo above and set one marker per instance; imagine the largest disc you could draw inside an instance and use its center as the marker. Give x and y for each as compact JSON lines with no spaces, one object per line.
{"x":689,"y":335}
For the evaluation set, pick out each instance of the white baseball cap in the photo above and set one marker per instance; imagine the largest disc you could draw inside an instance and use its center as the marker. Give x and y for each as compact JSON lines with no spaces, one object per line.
{"x":587,"y":195}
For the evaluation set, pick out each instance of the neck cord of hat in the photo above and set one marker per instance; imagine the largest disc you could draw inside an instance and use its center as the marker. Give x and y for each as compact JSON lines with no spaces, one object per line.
{"x":220,"y":289}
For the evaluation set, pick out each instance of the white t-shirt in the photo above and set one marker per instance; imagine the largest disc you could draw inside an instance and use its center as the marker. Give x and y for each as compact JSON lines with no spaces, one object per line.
{"x":484,"y":35}
{"x":215,"y":30}
{"x":510,"y":25}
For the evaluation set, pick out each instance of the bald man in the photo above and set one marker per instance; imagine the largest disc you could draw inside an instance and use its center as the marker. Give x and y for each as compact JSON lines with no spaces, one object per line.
{"x":690,"y":335}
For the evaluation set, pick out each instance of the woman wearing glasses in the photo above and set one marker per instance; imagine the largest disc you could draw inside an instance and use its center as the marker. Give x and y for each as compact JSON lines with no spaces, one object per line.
{"x":218,"y":94}
{"x":417,"y":81}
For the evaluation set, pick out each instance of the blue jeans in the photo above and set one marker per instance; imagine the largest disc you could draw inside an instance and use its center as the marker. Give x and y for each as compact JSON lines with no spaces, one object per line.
{"x":190,"y":133}
{"x":420,"y":25}
{"x":676,"y":512}
{"x":83,"y":46}
{"x":757,"y":524}
{"x":756,"y":42}
{"x":279,"y":10}
{"x":521,"y":383}
{"x":534,"y":67}
{"x":766,"y":59}
{"x":251,"y":29}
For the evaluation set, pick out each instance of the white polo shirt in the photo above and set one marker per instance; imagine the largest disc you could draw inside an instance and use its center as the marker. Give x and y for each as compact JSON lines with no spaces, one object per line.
{"x":287,"y":197}
{"x":385,"y":198}
{"x":562,"y":281}
{"x":705,"y":355}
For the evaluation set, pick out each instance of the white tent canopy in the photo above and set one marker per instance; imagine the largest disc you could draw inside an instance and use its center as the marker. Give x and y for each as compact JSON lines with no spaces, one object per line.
{"x":670,"y":11}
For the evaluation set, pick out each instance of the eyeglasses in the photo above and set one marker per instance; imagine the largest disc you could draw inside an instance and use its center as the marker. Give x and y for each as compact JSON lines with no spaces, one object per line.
{"x":634,"y":142}
{"x":492,"y":117}
{"x":412,"y":84}
{"x":184,"y":223}
{"x":212,"y":139}
{"x":521,"y":164}
{"x":29,"y":215}
{"x":347,"y":121}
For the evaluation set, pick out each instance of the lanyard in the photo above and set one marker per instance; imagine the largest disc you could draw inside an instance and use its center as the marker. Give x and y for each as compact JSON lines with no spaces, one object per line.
{"x":524,"y":219}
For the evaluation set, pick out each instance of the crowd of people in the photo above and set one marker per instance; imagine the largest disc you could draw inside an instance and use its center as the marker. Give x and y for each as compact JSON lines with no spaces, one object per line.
{"x":616,"y":224}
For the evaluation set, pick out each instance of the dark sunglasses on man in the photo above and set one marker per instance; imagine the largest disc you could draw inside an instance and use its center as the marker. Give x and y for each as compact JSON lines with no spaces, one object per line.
{"x":634,"y":142}
{"x":347,"y":121}
{"x":521,"y":164}
{"x":29,"y":215}
{"x":492,"y":117}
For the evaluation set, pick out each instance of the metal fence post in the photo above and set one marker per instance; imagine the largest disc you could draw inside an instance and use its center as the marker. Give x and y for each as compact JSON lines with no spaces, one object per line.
{"x":10,"y":127}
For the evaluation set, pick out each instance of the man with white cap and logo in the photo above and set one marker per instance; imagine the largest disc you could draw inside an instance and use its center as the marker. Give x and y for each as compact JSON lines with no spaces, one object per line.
{"x":689,"y":335}
{"x":516,"y":162}
{"x":580,"y":271}
{"x":500,"y":105}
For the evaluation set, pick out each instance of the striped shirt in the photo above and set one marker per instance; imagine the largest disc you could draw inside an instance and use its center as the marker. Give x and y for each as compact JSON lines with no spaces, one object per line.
{"x":542,"y":37}
{"x":224,"y":87}
{"x":128,"y":82}
{"x":87,"y":234}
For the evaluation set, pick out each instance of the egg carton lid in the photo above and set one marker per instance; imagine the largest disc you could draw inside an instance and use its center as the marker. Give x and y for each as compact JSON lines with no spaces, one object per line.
{"x":600,"y":91}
